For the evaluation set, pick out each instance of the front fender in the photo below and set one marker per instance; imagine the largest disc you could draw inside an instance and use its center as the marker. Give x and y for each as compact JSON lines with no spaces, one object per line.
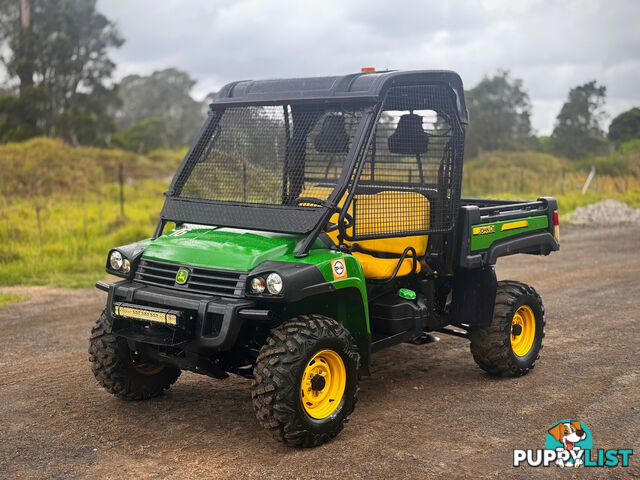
{"x":311,"y":285}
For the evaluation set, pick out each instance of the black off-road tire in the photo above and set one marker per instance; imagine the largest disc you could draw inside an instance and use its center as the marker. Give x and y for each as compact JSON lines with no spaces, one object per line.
{"x":278,"y":374}
{"x":113,"y":366}
{"x":491,"y":346}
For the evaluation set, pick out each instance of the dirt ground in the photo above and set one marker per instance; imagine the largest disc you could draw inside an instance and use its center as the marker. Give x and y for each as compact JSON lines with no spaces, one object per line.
{"x":425,"y":412}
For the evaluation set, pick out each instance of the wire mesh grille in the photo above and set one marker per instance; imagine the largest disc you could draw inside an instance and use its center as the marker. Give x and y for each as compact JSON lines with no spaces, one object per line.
{"x":270,"y":155}
{"x":409,"y":183}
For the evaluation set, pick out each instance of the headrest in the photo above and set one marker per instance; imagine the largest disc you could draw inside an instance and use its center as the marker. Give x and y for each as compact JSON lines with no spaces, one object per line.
{"x":333,"y":136}
{"x":409,"y":137}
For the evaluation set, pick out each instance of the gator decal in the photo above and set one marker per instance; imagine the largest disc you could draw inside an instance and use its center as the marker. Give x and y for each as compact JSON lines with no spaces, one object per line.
{"x":484,"y":230}
{"x":485,"y":234}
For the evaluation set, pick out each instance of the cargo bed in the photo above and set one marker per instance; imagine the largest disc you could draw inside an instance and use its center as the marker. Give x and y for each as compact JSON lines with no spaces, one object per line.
{"x":490,"y":228}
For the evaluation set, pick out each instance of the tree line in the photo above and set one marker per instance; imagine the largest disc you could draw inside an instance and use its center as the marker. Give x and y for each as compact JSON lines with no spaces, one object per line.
{"x":58,"y":82}
{"x":500,"y":119}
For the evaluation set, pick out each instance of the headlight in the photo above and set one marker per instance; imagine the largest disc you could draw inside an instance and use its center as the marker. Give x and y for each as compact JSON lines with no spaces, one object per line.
{"x":257,"y":285}
{"x":116,"y":260}
{"x":122,"y":260}
{"x":274,"y":283}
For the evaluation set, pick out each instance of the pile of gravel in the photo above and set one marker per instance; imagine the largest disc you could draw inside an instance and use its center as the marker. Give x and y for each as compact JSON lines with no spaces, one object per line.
{"x":606,"y":212}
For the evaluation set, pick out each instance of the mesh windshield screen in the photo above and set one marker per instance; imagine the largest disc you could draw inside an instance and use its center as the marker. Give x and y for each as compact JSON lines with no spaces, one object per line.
{"x":270,"y":155}
{"x":408,"y":177}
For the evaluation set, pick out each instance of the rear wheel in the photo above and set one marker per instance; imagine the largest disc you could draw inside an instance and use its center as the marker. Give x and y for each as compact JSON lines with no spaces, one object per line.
{"x":125,"y":372}
{"x":511,"y":344}
{"x":306,"y":381}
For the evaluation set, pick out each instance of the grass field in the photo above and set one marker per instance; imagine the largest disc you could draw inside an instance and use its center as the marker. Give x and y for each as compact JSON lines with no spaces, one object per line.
{"x":7,"y":298}
{"x":68,"y":246}
{"x":531,"y":174}
{"x":60,"y":206}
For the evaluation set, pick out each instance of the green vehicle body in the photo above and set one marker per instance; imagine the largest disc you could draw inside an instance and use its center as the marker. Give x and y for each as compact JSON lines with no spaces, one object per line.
{"x":226,"y":249}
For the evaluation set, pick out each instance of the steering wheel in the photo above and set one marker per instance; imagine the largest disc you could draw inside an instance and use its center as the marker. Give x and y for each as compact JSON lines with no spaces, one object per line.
{"x":318,"y":201}
{"x":311,"y":200}
{"x":334,"y":226}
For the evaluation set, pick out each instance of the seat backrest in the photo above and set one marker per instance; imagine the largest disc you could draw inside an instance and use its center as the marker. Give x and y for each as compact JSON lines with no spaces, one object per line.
{"x":333,"y":136}
{"x":409,"y":137}
{"x":375,"y":214}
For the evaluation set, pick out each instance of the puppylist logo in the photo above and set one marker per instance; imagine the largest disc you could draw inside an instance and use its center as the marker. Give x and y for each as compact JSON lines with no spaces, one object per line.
{"x":569,"y":445}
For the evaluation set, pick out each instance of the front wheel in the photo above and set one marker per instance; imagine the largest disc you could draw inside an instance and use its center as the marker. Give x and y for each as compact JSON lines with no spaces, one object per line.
{"x":306,"y":381}
{"x":511,"y":344}
{"x":124,"y":372}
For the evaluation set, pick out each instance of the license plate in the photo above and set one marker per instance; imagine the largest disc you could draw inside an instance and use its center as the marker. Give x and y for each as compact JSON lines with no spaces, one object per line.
{"x":147,"y":314}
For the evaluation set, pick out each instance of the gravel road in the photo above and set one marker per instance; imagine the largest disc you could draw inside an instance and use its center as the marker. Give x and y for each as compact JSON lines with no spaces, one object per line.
{"x":425,"y":412}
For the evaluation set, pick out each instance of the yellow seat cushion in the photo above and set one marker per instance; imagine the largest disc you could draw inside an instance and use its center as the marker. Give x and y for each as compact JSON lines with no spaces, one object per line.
{"x":379,"y":213}
{"x":317,"y":191}
{"x":376,"y":268}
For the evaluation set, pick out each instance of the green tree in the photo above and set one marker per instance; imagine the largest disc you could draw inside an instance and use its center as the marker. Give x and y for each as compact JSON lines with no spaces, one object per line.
{"x":500,"y":115}
{"x":25,"y":116}
{"x":149,"y":134}
{"x":60,"y":47}
{"x":544,"y":144}
{"x":625,"y":127}
{"x":577,"y":132}
{"x":164,"y":94}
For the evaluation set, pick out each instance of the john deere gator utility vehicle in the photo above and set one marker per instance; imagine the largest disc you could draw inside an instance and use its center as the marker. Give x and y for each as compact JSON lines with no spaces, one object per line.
{"x":314,"y":222}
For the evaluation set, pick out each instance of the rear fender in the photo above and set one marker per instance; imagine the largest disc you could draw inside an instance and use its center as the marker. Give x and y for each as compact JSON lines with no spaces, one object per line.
{"x":474,"y":296}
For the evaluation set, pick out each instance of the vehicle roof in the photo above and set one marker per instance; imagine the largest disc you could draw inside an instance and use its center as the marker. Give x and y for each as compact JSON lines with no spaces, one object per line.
{"x":366,"y":86}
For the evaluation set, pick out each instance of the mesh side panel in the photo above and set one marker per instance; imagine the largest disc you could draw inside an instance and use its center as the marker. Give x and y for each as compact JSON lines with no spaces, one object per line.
{"x":270,"y":155}
{"x":412,"y":168}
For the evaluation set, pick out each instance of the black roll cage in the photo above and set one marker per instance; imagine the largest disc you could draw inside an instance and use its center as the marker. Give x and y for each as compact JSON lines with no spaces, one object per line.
{"x":307,"y":220}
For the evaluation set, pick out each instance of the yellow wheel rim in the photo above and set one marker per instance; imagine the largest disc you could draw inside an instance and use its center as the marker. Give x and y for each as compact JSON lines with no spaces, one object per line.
{"x":145,"y":367}
{"x":523,"y":330}
{"x":323,"y":383}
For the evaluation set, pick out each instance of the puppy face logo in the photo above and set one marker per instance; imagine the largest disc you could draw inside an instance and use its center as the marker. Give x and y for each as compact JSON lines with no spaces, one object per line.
{"x":569,"y":444}
{"x":339,"y":269}
{"x":571,"y":436}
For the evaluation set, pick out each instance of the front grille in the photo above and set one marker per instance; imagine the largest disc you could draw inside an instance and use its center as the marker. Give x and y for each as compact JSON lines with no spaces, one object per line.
{"x":201,"y":280}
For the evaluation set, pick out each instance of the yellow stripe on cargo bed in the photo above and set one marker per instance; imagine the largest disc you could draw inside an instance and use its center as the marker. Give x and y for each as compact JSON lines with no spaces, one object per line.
{"x":514,"y":225}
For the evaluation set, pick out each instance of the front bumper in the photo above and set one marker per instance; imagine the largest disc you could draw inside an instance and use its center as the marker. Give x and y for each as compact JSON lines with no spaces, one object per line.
{"x":206,"y":322}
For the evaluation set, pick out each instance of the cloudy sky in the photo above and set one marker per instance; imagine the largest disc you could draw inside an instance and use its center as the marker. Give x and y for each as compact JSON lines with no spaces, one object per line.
{"x":551,"y":45}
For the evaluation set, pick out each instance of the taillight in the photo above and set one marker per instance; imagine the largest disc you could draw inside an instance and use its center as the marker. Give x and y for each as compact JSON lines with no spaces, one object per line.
{"x":556,"y":227}
{"x":556,"y":222}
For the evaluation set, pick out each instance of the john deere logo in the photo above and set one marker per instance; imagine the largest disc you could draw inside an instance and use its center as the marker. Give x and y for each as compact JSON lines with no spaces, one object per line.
{"x":182,"y":276}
